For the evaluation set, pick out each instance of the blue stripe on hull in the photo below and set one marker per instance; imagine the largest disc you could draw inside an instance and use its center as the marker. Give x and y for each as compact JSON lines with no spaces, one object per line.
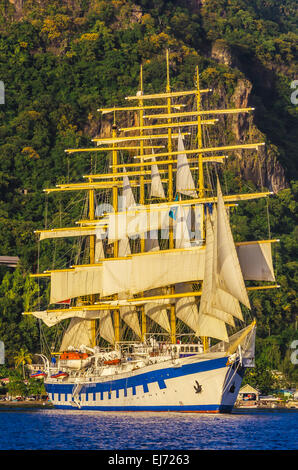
{"x":183,"y":409}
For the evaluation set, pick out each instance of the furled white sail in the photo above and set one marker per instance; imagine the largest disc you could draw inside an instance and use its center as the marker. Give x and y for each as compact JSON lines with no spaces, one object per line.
{"x":230,"y":276}
{"x":51,"y":318}
{"x":184,"y":180}
{"x":67,"y":232}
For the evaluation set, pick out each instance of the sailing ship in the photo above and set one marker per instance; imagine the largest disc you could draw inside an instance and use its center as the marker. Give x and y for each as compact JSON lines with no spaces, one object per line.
{"x":150,"y":315}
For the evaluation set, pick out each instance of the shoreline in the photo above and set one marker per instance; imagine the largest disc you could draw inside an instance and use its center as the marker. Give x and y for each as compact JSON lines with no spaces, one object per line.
{"x":25,"y":405}
{"x":261,"y":409}
{"x":43,"y":405}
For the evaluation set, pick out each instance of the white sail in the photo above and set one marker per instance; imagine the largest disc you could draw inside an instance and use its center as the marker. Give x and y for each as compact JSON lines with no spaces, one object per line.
{"x":184,"y":180}
{"x":212,"y":327}
{"x":75,"y":283}
{"x":78,"y":333}
{"x":99,"y":250}
{"x":127,"y":194}
{"x":223,"y":316}
{"x":128,"y":314}
{"x":136,"y":222}
{"x":156,"y":310}
{"x":212,"y":322}
{"x":158,"y":315}
{"x":186,"y":307}
{"x":181,"y":232}
{"x":147,"y":271}
{"x":256,"y":261}
{"x":221,"y":300}
{"x":106,"y":328}
{"x":230,"y":276}
{"x":209,"y":290}
{"x":156,"y":189}
{"x":119,"y":223}
{"x":126,"y":275}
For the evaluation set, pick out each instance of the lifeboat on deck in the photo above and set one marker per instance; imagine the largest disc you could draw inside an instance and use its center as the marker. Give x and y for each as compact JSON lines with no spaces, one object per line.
{"x":74,"y":359}
{"x":38,"y":375}
{"x":112,"y":362}
{"x":59,"y":375}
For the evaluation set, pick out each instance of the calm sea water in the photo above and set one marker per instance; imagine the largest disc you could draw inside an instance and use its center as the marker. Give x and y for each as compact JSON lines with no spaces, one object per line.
{"x":77,"y":430}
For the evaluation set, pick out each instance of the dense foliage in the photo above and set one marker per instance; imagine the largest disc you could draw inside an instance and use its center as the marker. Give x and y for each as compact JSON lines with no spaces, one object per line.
{"x":61,"y":60}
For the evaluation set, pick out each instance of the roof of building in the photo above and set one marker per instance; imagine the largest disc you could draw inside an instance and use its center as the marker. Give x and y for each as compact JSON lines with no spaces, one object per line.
{"x":248,"y":389}
{"x":11,"y":261}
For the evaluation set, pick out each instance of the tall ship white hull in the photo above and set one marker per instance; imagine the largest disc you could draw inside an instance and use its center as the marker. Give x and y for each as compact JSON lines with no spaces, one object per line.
{"x":159,"y":279}
{"x":205,"y":382}
{"x":190,"y":385}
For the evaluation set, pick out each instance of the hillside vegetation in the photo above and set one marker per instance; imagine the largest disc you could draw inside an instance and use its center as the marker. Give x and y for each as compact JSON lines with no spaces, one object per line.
{"x":62,"y":60}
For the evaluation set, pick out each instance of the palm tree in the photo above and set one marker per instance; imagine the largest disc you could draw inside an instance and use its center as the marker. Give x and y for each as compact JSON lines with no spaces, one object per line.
{"x":22,"y":357}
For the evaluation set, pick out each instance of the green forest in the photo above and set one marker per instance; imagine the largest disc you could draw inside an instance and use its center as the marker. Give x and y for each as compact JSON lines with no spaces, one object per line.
{"x":61,"y":60}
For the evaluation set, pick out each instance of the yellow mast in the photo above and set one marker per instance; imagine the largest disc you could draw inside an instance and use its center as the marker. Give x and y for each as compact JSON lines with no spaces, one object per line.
{"x":169,"y":115}
{"x":92,"y":256}
{"x":115,"y":207}
{"x":170,"y":197}
{"x":107,"y":306}
{"x":142,"y":192}
{"x":171,"y":94}
{"x":200,"y":140}
{"x":201,"y":172}
{"x":173,"y":124}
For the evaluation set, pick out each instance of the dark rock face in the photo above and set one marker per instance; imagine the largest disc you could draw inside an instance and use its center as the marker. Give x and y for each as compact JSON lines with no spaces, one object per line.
{"x":262,"y":168}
